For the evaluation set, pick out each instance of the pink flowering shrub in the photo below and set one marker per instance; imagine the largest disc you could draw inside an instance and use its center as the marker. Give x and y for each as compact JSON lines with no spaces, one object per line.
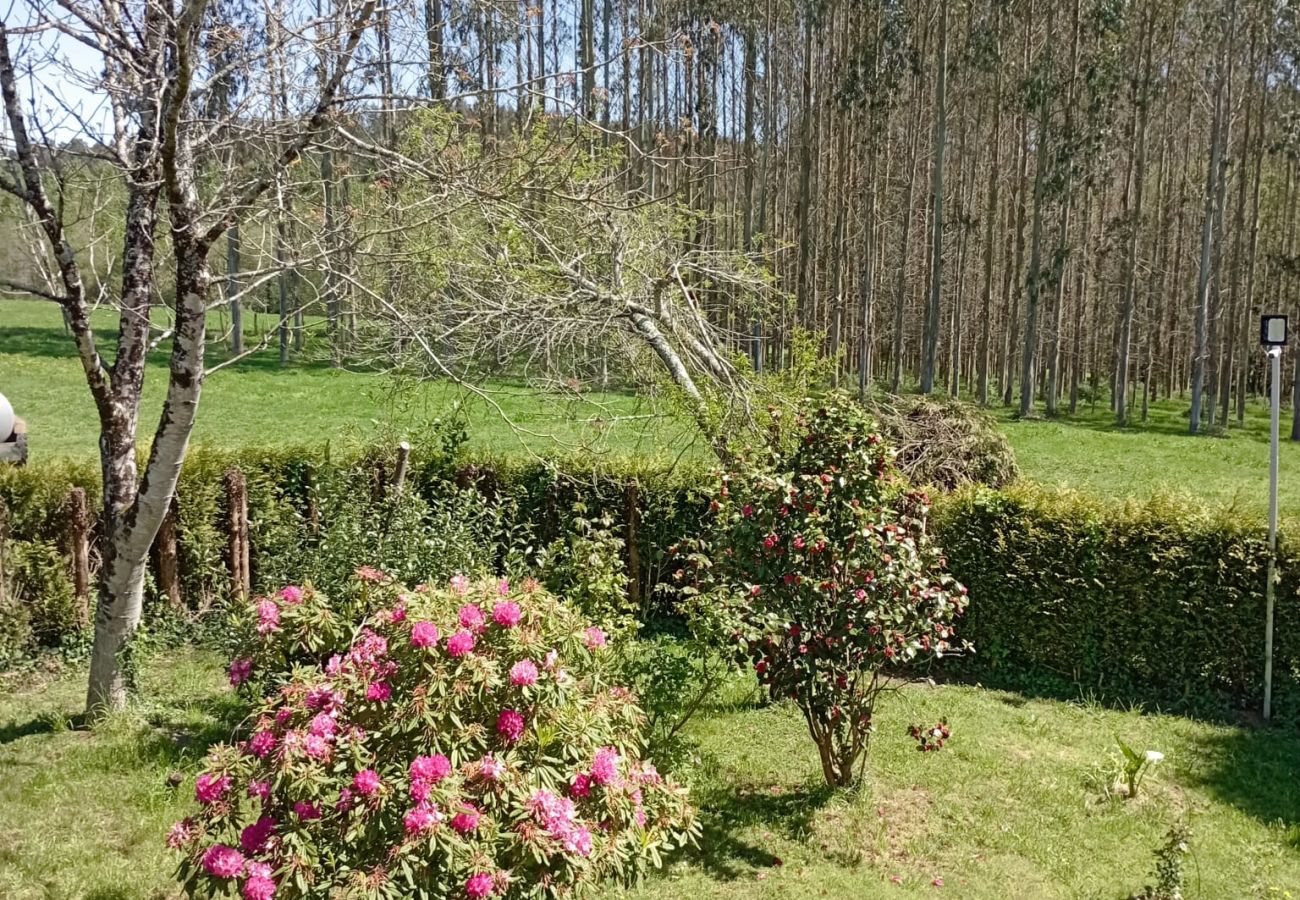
{"x":270,"y":635}
{"x":822,"y":555}
{"x":509,"y":768}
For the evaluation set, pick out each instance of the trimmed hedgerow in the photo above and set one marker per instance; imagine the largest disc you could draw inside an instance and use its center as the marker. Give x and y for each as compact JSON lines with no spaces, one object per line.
{"x":1161,"y":602}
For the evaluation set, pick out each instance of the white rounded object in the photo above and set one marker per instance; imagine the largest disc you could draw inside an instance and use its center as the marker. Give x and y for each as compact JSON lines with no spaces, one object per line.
{"x":6,"y":418}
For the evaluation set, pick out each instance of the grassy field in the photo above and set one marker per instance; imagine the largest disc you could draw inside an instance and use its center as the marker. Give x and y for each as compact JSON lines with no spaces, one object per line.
{"x":257,"y":402}
{"x":1015,"y":806}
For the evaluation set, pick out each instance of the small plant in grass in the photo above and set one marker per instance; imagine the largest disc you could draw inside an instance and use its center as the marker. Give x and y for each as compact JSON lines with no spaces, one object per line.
{"x":1170,"y":874}
{"x":467,"y":743}
{"x":1136,"y":766}
{"x":822,"y":555}
{"x":930,"y":739}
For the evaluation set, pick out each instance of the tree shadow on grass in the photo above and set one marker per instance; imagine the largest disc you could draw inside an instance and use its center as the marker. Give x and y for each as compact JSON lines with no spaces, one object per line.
{"x":727,"y":811}
{"x":13,"y":731}
{"x":1256,"y":770}
{"x":181,"y":736}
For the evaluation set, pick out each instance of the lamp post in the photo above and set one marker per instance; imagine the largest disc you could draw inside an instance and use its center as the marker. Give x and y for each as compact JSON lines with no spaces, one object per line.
{"x":1272,"y":334}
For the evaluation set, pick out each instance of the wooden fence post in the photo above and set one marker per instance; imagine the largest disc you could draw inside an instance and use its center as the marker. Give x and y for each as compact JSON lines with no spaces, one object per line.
{"x":79,"y":549}
{"x":169,"y":573}
{"x":631,"y":499}
{"x":237,"y":531}
{"x":399,"y":475}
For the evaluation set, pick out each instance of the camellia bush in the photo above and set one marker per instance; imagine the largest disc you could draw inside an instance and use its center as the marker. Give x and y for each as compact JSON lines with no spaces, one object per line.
{"x":821,"y":554}
{"x":465,"y":743}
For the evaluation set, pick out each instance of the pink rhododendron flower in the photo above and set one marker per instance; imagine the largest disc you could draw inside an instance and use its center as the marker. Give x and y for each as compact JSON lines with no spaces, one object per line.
{"x":291,"y":594}
{"x":259,"y":789}
{"x":510,"y":725}
{"x":639,"y":817}
{"x":460,"y":643}
{"x":334,"y":666}
{"x":253,"y":838}
{"x":306,"y":811}
{"x":421,"y":818}
{"x":523,"y":673}
{"x":366,"y":782}
{"x":594,"y":638}
{"x":370,"y":574}
{"x":420,"y":791}
{"x":180,"y":834}
{"x":323,"y":725}
{"x":459,"y":584}
{"x":578,"y":842}
{"x":480,"y":885}
{"x":316,"y":746}
{"x":424,"y":634}
{"x":268,"y":617}
{"x":209,"y":787}
{"x":221,"y":861}
{"x":240,"y":670}
{"x":581,"y":785}
{"x":466,"y":820}
{"x":604,"y":768}
{"x":398,"y":612}
{"x":491,"y":768}
{"x":259,"y":885}
{"x":261,"y":743}
{"x":471,"y":617}
{"x":378,"y":692}
{"x":344,"y":802}
{"x":552,"y":659}
{"x":507,"y":613}
{"x":430,"y":768}
{"x":503,"y":586}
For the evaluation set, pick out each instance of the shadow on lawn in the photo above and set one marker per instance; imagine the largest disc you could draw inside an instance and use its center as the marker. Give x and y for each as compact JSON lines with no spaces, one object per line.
{"x":727,"y":810}
{"x":13,"y":731}
{"x":179,"y":737}
{"x":1257,"y":770}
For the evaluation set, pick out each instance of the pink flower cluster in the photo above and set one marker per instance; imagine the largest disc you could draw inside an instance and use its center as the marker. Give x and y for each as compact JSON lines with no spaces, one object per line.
{"x":510,"y":725}
{"x":424,"y":635}
{"x":240,"y":671}
{"x":268,"y":617}
{"x":523,"y":673}
{"x":559,"y":817}
{"x":507,"y":613}
{"x":480,"y":885}
{"x":209,"y":788}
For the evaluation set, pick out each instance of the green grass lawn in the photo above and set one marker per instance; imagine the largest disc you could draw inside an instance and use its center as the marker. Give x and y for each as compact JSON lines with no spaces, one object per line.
{"x":1015,"y":806}
{"x":257,"y":402}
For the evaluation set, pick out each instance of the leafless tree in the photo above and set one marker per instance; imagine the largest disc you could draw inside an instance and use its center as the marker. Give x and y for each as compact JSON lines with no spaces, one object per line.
{"x":158,"y":63}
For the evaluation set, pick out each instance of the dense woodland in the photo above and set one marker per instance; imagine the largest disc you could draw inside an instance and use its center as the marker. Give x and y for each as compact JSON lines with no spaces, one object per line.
{"x":1033,"y":204}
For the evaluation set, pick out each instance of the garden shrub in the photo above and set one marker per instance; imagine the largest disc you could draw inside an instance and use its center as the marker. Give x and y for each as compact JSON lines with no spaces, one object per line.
{"x":466,"y":744}
{"x":39,"y":576}
{"x":824,"y":557}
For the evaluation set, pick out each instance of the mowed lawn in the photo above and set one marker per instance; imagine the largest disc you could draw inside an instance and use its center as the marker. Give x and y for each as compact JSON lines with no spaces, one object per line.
{"x":1014,"y":806}
{"x":256,"y":402}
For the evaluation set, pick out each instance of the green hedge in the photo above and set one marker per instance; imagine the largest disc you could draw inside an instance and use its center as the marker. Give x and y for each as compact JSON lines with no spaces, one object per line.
{"x":1161,"y":602}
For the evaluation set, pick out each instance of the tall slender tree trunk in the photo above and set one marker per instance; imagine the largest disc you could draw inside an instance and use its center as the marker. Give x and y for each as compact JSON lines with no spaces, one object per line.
{"x":1134,"y":220}
{"x":933,"y":309}
{"x":1200,"y":350}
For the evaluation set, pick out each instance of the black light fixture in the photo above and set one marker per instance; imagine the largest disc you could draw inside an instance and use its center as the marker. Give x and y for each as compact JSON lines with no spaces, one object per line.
{"x":1272,"y":331}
